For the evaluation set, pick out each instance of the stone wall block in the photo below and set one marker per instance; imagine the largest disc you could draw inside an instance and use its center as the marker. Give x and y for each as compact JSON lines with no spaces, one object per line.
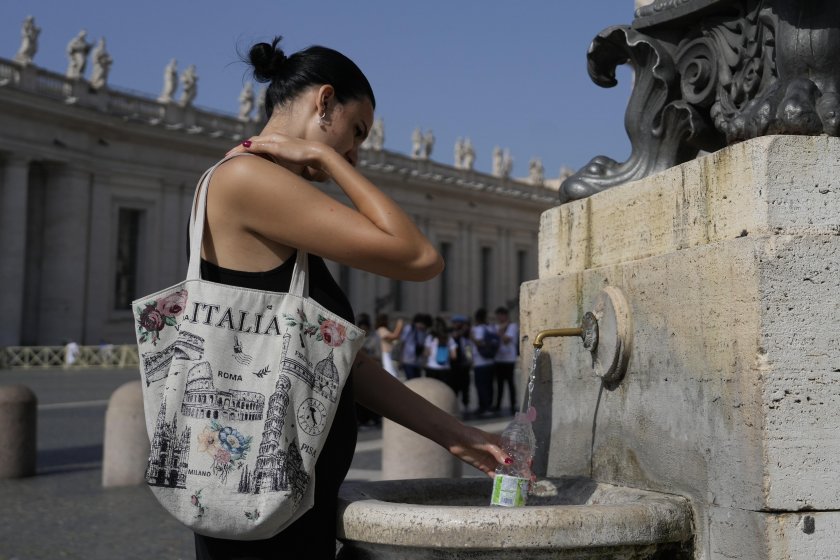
{"x":729,"y":265}
{"x":406,"y":454}
{"x":764,"y":186}
{"x":563,"y":239}
{"x":18,"y":416}
{"x":800,"y":364}
{"x":126,"y":444}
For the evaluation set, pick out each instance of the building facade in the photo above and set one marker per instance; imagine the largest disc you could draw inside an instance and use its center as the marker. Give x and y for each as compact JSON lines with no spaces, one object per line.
{"x":96,"y":186}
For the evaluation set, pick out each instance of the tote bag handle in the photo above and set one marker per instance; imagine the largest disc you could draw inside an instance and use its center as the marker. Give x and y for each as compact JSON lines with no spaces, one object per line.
{"x":300,"y":278}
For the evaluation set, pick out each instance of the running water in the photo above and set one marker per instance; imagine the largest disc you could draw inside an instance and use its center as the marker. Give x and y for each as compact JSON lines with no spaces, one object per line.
{"x":526,"y":406}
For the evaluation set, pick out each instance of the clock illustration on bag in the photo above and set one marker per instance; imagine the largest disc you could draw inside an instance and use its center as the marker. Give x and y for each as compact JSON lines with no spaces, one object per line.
{"x":312,"y":416}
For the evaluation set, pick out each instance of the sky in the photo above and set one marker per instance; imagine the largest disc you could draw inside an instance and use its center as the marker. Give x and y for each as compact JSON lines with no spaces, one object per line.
{"x":501,"y":72}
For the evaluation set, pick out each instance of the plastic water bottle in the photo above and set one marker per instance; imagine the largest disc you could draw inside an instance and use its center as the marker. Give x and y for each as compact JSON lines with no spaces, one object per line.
{"x":512,"y":480}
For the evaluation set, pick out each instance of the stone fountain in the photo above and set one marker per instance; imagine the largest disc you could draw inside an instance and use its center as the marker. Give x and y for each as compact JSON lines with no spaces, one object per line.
{"x":727,"y":266}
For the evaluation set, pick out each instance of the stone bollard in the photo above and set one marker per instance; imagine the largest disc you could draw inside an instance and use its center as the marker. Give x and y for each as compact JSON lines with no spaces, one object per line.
{"x":406,"y":454}
{"x":126,"y":447}
{"x":18,"y":417}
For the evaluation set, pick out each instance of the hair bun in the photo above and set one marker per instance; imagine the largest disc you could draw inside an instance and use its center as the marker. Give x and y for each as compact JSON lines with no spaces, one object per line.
{"x":267,"y":60}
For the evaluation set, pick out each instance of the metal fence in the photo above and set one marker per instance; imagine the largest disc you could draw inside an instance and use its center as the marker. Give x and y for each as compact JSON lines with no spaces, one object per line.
{"x":67,"y":357}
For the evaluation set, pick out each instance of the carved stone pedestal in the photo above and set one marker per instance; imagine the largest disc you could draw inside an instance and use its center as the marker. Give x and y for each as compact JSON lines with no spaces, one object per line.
{"x":709,"y":73}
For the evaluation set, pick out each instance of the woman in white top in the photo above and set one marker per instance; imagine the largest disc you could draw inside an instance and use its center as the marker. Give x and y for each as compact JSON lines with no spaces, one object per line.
{"x":387,"y":339}
{"x":440,"y":349}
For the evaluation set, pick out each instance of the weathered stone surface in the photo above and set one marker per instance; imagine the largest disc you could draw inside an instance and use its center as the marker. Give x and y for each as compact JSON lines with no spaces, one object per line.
{"x":406,"y":454}
{"x":453,"y":519}
{"x":729,"y":264}
{"x":18,"y":416}
{"x":751,"y":535}
{"x":769,"y":185}
{"x":126,"y":443}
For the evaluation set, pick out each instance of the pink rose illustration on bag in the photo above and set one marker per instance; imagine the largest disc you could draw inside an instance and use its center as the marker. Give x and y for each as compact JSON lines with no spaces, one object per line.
{"x":156,"y":315}
{"x":330,"y":332}
{"x":333,"y":333}
{"x":173,"y":305}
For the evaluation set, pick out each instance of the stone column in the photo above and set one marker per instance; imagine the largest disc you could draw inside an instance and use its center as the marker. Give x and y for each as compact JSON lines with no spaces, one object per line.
{"x":13,"y":213}
{"x":406,"y":454}
{"x":18,"y":415}
{"x":172,"y":223}
{"x":126,"y":442}
{"x":65,"y":263}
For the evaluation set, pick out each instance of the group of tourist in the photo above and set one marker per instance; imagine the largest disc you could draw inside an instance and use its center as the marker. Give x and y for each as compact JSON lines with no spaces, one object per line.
{"x":459,"y":352}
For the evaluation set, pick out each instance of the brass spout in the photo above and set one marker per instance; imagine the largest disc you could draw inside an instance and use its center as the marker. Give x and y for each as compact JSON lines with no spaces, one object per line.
{"x":551,"y":333}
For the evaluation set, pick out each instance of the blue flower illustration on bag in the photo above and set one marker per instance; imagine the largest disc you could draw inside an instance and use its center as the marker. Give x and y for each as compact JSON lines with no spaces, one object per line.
{"x":226,"y":445}
{"x":156,"y":315}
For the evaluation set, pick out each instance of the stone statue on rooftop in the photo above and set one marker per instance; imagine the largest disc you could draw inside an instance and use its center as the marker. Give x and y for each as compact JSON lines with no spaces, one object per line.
{"x":459,"y":153}
{"x":189,"y":86}
{"x":170,"y":82}
{"x":497,"y":162}
{"x":246,"y":101}
{"x":376,"y":137}
{"x":507,"y":164}
{"x":417,"y":144}
{"x":259,"y":114}
{"x":536,"y":172}
{"x":101,"y":65}
{"x":468,"y":160}
{"x":428,"y":144}
{"x":77,"y":52}
{"x":29,"y":41}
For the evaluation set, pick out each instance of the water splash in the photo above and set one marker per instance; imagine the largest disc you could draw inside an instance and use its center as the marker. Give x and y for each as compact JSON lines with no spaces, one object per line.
{"x":526,"y":406}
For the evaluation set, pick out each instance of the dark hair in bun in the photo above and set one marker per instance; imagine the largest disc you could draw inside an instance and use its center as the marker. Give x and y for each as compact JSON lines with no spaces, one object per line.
{"x":288,"y":76}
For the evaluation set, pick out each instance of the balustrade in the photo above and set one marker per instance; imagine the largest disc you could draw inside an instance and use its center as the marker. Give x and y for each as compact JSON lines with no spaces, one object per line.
{"x":26,"y":357}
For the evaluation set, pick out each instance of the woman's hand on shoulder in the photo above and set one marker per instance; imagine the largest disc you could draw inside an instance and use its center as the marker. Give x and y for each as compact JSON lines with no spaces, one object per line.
{"x":289,"y":151}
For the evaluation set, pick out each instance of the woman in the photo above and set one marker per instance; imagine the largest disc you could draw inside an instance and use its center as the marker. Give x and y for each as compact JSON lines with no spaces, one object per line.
{"x":439,"y":350}
{"x":261,"y":210}
{"x":483,"y":364}
{"x":412,"y":341}
{"x":387,"y":339}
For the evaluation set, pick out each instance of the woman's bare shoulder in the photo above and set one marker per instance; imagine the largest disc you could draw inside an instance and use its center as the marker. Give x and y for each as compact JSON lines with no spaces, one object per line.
{"x":247,"y":169}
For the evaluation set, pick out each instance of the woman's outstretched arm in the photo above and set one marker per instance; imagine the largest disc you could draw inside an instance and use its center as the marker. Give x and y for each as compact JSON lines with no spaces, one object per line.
{"x":377,"y":390}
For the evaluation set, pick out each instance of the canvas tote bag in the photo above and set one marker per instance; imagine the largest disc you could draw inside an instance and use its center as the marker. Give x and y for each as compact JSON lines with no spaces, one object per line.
{"x":240,"y":388}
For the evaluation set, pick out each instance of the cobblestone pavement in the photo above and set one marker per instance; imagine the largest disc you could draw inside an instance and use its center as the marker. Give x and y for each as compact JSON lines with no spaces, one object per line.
{"x":64,"y":513}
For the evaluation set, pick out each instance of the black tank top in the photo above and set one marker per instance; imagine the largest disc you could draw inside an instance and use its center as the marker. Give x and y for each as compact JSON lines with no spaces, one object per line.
{"x":313,"y":535}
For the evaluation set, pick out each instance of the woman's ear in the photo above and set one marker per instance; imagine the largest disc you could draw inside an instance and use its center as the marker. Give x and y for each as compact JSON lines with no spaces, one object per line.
{"x":325,"y":99}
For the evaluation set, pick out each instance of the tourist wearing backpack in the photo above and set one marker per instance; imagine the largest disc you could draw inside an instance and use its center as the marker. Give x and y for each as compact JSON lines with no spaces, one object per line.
{"x":439,"y":350}
{"x":459,"y":373}
{"x":505,"y":358}
{"x":413,"y":344}
{"x":481,"y":335}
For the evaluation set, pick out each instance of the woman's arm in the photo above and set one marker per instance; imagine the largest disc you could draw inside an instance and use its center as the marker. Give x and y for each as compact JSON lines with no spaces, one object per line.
{"x":251,"y":194}
{"x":382,"y":393}
{"x":393,"y":335}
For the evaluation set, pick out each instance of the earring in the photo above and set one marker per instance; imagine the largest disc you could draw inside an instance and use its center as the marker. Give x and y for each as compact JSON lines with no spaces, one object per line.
{"x":322,"y":118}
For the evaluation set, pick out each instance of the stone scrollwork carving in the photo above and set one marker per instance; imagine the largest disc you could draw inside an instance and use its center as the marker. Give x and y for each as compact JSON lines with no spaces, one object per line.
{"x":709,"y":73}
{"x":659,"y":124}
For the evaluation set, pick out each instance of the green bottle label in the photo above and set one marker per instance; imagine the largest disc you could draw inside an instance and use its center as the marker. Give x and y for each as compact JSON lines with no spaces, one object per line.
{"x":509,"y":491}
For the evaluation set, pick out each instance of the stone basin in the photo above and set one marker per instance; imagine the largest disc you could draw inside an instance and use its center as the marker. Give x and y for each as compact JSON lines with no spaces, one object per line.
{"x":570,"y":518}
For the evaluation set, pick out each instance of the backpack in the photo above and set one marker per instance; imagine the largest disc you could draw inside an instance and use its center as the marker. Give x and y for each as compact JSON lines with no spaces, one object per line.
{"x":490,"y":344}
{"x":442,"y":355}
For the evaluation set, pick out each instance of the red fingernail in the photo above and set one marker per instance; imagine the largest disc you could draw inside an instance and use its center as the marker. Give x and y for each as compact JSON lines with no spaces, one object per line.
{"x":508,"y":460}
{"x":247,"y":143}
